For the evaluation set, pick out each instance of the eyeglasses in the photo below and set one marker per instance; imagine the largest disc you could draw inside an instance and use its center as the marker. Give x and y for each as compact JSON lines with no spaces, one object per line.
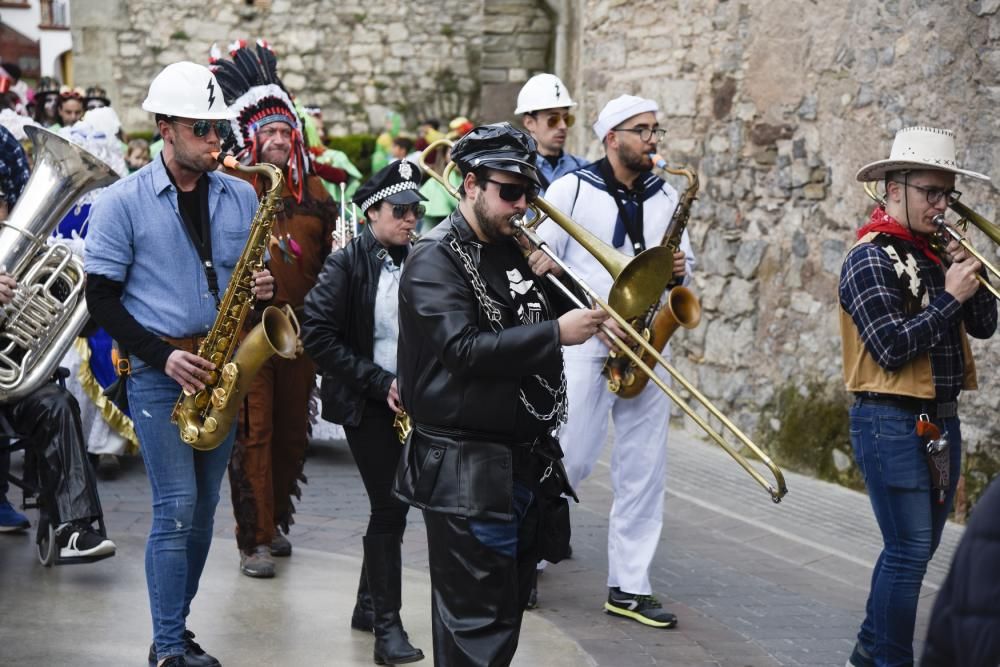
{"x":552,"y":120}
{"x":95,"y":104}
{"x":645,"y":133}
{"x":201,"y":127}
{"x":935,"y":195}
{"x":514,"y":191}
{"x":399,"y":211}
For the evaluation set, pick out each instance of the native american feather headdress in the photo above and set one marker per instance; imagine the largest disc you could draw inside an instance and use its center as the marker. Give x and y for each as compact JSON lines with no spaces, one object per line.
{"x":252,"y":88}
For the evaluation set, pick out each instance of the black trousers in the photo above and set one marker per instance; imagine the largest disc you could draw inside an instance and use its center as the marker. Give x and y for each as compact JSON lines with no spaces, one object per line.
{"x":376,"y":452}
{"x":479,"y":592}
{"x":49,"y":418}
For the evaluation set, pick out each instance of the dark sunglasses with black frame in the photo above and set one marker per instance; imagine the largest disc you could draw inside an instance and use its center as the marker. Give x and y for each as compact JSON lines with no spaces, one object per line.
{"x":201,"y":127}
{"x":512,"y":192}
{"x":399,"y":211}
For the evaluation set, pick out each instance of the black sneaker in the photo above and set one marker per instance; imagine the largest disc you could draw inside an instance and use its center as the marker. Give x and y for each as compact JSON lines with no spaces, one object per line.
{"x":860,"y":658}
{"x":77,"y":540}
{"x":174,"y":661}
{"x":194,"y":654}
{"x":645,"y":609}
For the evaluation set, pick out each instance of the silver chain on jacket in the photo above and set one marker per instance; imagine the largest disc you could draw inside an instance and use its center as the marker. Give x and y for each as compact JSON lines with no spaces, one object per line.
{"x":492,"y":313}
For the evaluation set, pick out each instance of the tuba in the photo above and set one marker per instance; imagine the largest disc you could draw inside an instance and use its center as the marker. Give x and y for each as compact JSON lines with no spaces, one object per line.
{"x":658,"y":324}
{"x":48,"y":309}
{"x":205,"y":417}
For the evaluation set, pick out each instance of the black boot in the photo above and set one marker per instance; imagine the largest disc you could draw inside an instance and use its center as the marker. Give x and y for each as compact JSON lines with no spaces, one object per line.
{"x":385,"y":578}
{"x":364,"y":615}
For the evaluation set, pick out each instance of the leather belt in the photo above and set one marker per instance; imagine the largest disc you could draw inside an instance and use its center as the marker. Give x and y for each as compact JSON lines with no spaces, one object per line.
{"x":187,"y":343}
{"x":932,"y":409}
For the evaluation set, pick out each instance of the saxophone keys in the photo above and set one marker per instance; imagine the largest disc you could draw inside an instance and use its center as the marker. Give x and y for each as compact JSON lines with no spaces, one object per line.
{"x":223,"y":343}
{"x":219,"y":399}
{"x":230,"y":372}
{"x":201,"y":400}
{"x":211,"y":424}
{"x":190,"y":434}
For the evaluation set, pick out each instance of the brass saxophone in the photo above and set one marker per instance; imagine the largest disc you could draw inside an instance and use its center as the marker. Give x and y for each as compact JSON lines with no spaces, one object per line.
{"x":204,"y":418}
{"x":681,"y":307}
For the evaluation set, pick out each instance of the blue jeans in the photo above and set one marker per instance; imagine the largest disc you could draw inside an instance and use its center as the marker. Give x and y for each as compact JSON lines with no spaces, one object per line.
{"x":894,"y":465}
{"x":185,"y":484}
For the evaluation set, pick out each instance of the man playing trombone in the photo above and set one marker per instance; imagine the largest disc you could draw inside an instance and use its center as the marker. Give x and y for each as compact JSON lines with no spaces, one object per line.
{"x":907,"y":304}
{"x":622,"y":202}
{"x":480,"y":373}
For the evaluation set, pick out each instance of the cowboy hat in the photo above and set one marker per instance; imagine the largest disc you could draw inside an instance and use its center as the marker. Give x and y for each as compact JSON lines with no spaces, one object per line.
{"x":918,"y":148}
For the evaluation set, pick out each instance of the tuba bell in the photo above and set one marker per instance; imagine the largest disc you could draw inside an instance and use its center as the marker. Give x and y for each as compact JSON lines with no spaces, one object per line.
{"x":48,"y":309}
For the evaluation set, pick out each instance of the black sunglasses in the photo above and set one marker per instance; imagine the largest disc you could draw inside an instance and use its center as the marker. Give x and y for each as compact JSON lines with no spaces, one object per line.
{"x":201,"y":127}
{"x":514,"y":191}
{"x":399,"y":211}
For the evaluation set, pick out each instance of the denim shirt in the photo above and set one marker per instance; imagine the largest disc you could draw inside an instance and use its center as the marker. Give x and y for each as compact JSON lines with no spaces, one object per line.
{"x":565,"y":165}
{"x":387,"y":316}
{"x":137,"y":238}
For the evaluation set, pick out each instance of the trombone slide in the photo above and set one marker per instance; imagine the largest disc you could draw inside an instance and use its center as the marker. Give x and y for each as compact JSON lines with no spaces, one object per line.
{"x":776,"y":492}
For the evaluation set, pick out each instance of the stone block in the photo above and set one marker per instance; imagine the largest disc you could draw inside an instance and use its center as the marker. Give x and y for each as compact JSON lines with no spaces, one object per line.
{"x":814,"y":191}
{"x":676,"y":97}
{"x":739,"y":298}
{"x":749,"y":256}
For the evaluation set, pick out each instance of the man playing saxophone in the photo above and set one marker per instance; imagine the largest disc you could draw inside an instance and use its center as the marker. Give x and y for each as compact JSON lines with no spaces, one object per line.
{"x":161,"y":249}
{"x":620,"y":200}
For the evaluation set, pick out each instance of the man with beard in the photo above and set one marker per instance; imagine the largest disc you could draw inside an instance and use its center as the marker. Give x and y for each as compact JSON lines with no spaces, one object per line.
{"x":268,"y":457}
{"x":162,"y":246}
{"x":628,"y":207}
{"x":545,"y":104}
{"x":480,"y":373}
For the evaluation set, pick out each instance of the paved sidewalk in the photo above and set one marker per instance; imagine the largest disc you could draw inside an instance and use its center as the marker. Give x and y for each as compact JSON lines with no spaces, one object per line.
{"x":753,"y":583}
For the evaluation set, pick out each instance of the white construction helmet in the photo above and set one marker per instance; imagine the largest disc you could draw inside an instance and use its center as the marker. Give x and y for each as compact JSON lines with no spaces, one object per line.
{"x":188,"y":90}
{"x":543,"y":91}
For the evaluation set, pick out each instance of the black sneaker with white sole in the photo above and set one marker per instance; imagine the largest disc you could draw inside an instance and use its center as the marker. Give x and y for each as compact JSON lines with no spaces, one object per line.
{"x":644,"y":609}
{"x":194,"y":654}
{"x":78,"y":540}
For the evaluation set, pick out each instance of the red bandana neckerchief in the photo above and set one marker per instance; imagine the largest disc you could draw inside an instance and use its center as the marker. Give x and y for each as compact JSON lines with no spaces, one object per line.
{"x":883,"y":223}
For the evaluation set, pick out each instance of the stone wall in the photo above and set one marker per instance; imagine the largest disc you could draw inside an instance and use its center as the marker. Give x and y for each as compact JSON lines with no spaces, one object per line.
{"x":778,"y":103}
{"x":357,"y":59}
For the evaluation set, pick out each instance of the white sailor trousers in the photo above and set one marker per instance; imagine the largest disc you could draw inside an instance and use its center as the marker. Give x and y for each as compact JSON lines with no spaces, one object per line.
{"x":638,"y":463}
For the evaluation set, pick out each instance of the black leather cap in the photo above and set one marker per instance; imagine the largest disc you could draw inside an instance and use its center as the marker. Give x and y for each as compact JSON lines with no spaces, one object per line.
{"x":499,"y":146}
{"x":397,"y":183}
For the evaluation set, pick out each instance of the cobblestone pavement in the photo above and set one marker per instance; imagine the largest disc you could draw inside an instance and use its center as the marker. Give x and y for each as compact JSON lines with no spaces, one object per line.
{"x":753,"y":583}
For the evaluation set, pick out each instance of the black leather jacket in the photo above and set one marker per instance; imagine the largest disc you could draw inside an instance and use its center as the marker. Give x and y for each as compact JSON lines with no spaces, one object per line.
{"x":460,"y":381}
{"x":338,"y":327}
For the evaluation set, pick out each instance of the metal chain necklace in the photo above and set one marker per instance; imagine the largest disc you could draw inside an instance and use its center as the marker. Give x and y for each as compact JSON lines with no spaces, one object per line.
{"x":492,"y":313}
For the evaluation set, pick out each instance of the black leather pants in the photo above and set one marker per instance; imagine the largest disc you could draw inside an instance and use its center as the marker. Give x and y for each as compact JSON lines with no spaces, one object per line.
{"x":478,"y":593}
{"x":50,"y":420}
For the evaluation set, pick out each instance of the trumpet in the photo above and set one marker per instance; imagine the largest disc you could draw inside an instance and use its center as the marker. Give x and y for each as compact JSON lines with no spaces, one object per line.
{"x":955,"y":232}
{"x":639,"y":282}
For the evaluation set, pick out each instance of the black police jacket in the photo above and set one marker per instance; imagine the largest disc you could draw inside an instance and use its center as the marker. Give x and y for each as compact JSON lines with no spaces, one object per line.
{"x":338,"y":327}
{"x":964,"y":628}
{"x":460,"y":381}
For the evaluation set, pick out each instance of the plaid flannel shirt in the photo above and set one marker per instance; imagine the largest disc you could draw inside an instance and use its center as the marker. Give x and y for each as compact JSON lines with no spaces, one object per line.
{"x":14,"y":169}
{"x":873,"y":295}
